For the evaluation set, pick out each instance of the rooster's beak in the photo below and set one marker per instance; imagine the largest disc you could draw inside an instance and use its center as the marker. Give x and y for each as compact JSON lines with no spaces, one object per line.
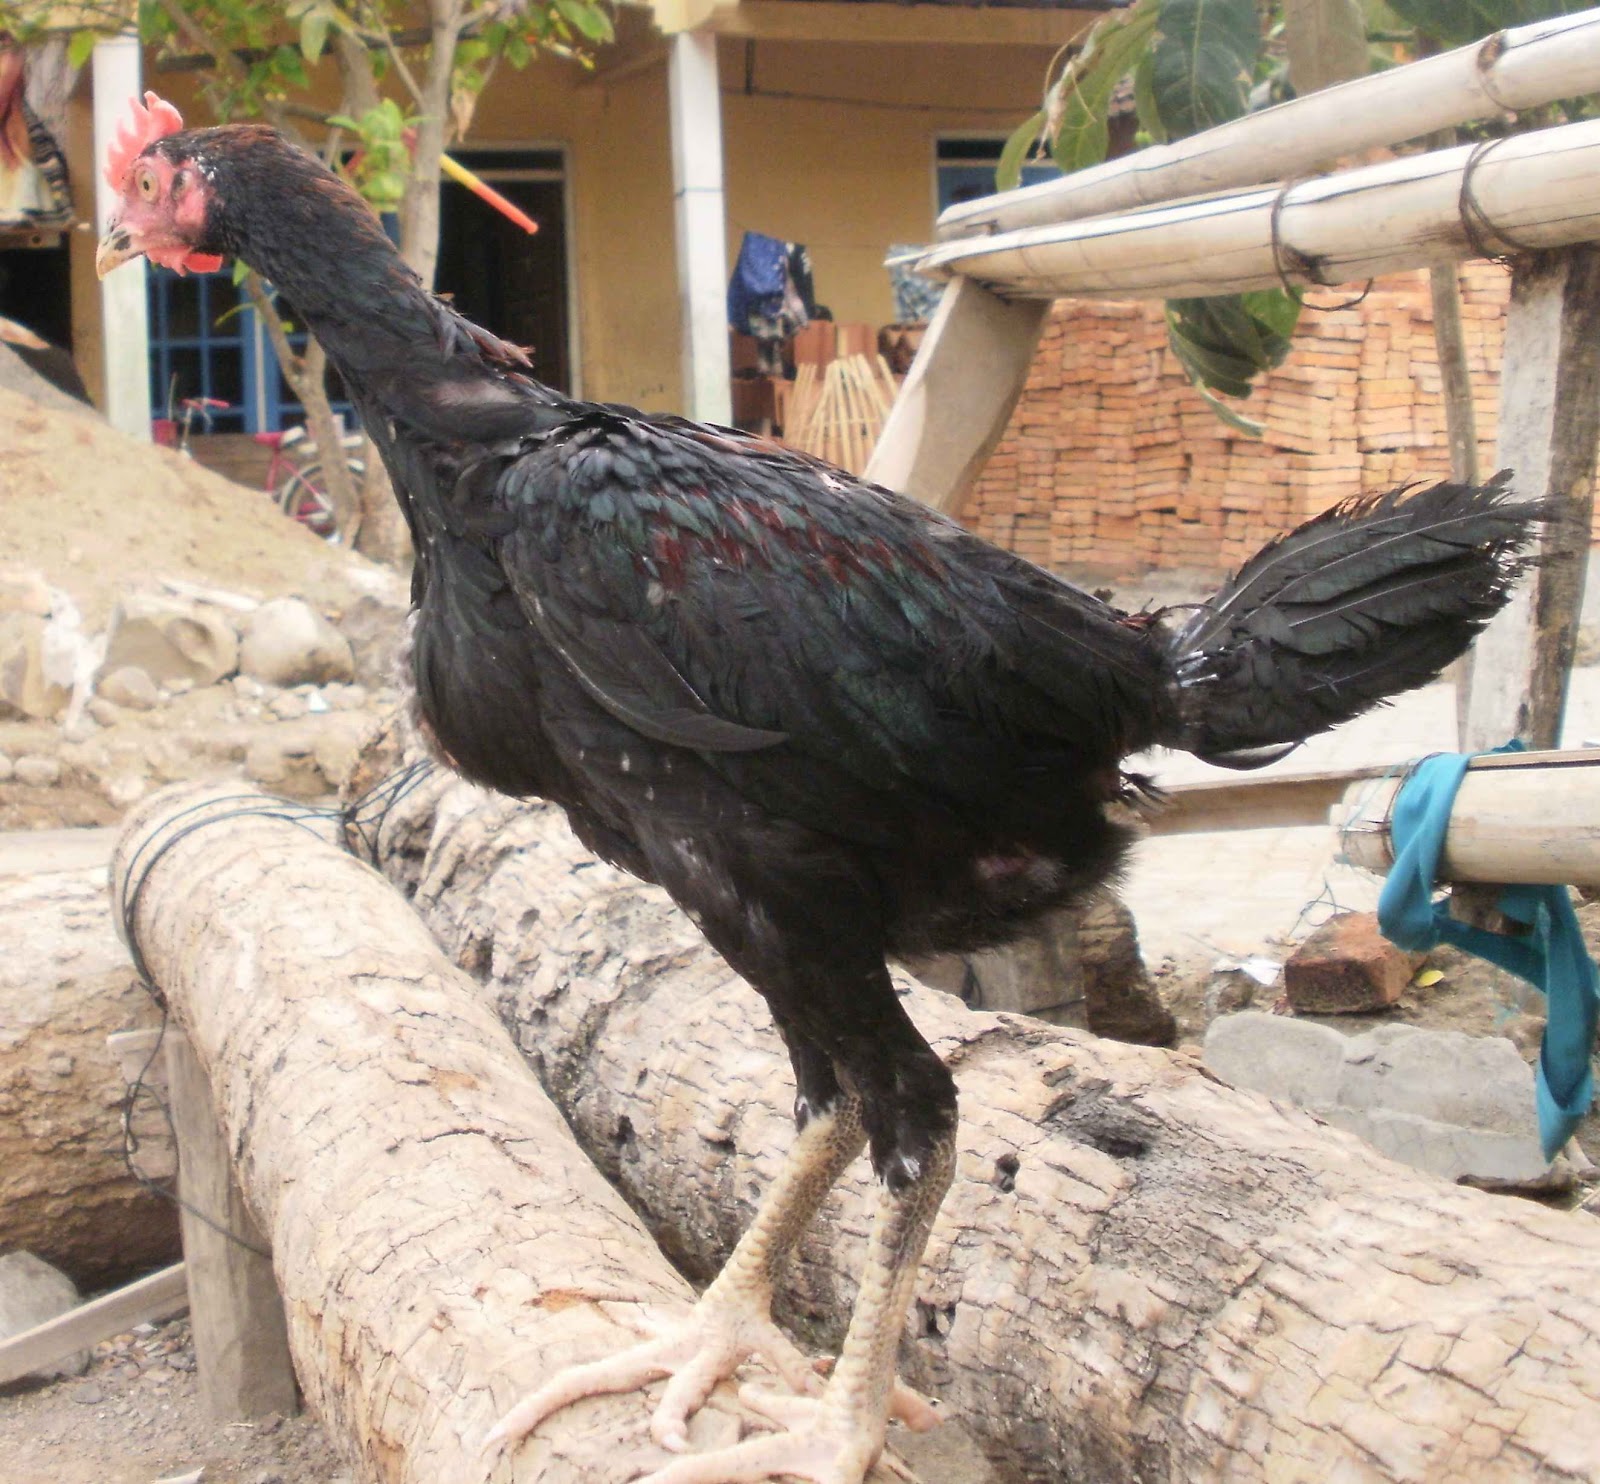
{"x":116,"y":247}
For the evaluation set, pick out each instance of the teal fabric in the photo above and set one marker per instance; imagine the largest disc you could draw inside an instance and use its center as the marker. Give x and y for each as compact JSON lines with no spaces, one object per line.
{"x":1551,"y":955}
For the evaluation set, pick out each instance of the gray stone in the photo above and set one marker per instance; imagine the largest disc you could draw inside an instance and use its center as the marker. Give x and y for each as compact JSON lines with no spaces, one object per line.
{"x":287,"y":642}
{"x":31,"y":1292}
{"x":1291,"y":1060}
{"x":107,"y":713}
{"x":36,"y":771}
{"x":173,"y":640}
{"x":29,"y":684}
{"x":287,"y":706}
{"x":1457,"y":1106}
{"x":129,"y":686}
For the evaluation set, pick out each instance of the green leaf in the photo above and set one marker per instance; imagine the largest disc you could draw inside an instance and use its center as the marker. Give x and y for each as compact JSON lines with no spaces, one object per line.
{"x":81,"y":47}
{"x":1144,"y":100}
{"x":1202,"y":63}
{"x":517,"y":51}
{"x":1018,"y":150}
{"x":1224,"y":342}
{"x":1076,"y":106}
{"x":588,"y":20}
{"x":313,"y":34}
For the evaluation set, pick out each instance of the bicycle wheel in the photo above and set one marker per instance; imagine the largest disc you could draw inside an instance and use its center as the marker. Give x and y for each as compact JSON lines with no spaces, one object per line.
{"x":302,"y":497}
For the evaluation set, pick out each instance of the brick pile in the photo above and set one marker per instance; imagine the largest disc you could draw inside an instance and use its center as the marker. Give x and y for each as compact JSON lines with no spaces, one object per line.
{"x":1112,"y":461}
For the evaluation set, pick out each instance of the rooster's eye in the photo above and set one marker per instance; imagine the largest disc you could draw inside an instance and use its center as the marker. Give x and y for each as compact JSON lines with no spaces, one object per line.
{"x":145,"y":181}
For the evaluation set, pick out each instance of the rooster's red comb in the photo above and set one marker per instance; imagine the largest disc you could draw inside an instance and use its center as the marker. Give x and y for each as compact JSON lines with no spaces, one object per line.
{"x":151,"y":120}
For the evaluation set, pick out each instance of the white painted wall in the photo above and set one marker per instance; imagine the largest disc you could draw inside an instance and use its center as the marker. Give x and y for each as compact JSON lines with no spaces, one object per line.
{"x":123,"y":301}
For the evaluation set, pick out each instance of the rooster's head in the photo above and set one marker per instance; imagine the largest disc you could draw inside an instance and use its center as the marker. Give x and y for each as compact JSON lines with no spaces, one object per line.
{"x":164,"y":194}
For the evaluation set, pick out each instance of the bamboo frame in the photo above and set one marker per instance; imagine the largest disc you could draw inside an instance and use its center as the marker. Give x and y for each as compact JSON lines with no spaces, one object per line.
{"x":1514,"y":69}
{"x":1526,"y":817}
{"x":1530,"y":192}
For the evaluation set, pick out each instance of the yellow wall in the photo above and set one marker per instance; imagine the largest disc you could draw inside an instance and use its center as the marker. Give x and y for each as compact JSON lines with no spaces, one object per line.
{"x":834,"y":168}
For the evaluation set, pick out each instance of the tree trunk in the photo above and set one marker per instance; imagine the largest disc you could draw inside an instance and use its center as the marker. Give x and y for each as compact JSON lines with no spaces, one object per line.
{"x":1139,"y":1273}
{"x":441,"y":1243}
{"x":65,"y":984}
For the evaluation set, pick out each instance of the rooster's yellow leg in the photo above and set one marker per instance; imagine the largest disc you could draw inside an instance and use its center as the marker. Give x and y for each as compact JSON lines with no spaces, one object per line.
{"x":835,"y":1438}
{"x":732,"y":1321}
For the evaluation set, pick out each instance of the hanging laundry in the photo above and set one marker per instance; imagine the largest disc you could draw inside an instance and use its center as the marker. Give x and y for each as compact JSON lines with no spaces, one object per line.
{"x":770,"y":295}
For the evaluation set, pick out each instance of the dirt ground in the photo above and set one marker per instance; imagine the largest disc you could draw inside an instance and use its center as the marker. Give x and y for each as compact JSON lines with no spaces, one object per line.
{"x":135,"y":1417}
{"x":93,"y":509}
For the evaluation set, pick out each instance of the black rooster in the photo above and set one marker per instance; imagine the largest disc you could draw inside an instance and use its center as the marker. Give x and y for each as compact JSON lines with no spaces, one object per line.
{"x":833,"y":725}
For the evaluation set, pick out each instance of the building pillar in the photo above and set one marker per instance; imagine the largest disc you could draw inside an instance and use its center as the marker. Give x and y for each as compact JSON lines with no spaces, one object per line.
{"x":695,"y":106}
{"x":124,"y":313}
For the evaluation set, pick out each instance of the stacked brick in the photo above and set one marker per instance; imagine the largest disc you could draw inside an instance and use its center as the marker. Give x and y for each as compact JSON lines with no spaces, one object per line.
{"x":1113,"y":462}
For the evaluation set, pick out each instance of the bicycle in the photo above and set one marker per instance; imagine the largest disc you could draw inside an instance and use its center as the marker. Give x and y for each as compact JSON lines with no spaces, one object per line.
{"x":296,"y":481}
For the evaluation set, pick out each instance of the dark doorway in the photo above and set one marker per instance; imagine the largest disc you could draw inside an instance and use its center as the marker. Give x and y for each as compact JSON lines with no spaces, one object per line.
{"x":499,"y":276}
{"x":36,"y":291}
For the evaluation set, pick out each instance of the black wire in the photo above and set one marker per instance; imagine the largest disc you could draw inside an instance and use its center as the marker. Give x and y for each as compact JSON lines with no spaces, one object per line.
{"x":360,"y":821}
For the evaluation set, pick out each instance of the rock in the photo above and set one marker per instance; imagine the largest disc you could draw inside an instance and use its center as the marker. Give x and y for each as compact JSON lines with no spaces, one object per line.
{"x":24,"y":590}
{"x":7,"y":768}
{"x":347,"y":697}
{"x":129,"y":686}
{"x":36,"y":771}
{"x":107,"y":713}
{"x":1347,"y":966}
{"x":1120,"y":1000}
{"x":31,"y":1291}
{"x":287,"y":706}
{"x":172,"y":640}
{"x":1083,"y":956}
{"x":287,"y":642}
{"x":1461,"y":1107}
{"x":30,"y":684}
{"x":1291,"y":1060}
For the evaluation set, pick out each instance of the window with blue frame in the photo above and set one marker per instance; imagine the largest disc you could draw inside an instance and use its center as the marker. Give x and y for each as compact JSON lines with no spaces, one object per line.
{"x":964,"y":169}
{"x":204,"y":344}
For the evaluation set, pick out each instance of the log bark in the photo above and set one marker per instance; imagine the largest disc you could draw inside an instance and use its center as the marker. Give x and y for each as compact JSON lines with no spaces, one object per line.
{"x":1140,"y":1273}
{"x":440,"y":1242}
{"x":65,"y":984}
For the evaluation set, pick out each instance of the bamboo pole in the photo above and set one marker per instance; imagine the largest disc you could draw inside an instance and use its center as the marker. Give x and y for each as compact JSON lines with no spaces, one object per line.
{"x":1515,"y":69}
{"x":1531,"y":817}
{"x":1531,"y":192}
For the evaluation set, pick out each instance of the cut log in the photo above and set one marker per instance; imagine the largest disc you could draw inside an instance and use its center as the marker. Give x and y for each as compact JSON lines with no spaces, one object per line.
{"x":440,"y":1242}
{"x":1139,"y":1273}
{"x":66,"y":1193}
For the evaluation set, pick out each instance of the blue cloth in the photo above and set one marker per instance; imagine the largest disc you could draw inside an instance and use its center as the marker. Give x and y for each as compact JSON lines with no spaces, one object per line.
{"x":1551,"y":956}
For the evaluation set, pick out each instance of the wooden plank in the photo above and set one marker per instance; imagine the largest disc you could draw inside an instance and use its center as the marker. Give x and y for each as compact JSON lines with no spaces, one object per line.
{"x":959,"y":394}
{"x":1549,"y":427}
{"x":1254,"y":803}
{"x":1515,"y":69}
{"x":159,"y":1296}
{"x":1532,"y":817}
{"x":1535,"y":191}
{"x":241,"y":1342}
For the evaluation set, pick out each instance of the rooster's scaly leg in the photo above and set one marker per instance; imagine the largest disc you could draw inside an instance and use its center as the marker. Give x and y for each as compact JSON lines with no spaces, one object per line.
{"x":732,"y":1319}
{"x":837,"y":1437}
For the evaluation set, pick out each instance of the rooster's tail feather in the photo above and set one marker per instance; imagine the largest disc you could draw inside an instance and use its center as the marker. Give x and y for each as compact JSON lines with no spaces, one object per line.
{"x":1368,"y":599}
